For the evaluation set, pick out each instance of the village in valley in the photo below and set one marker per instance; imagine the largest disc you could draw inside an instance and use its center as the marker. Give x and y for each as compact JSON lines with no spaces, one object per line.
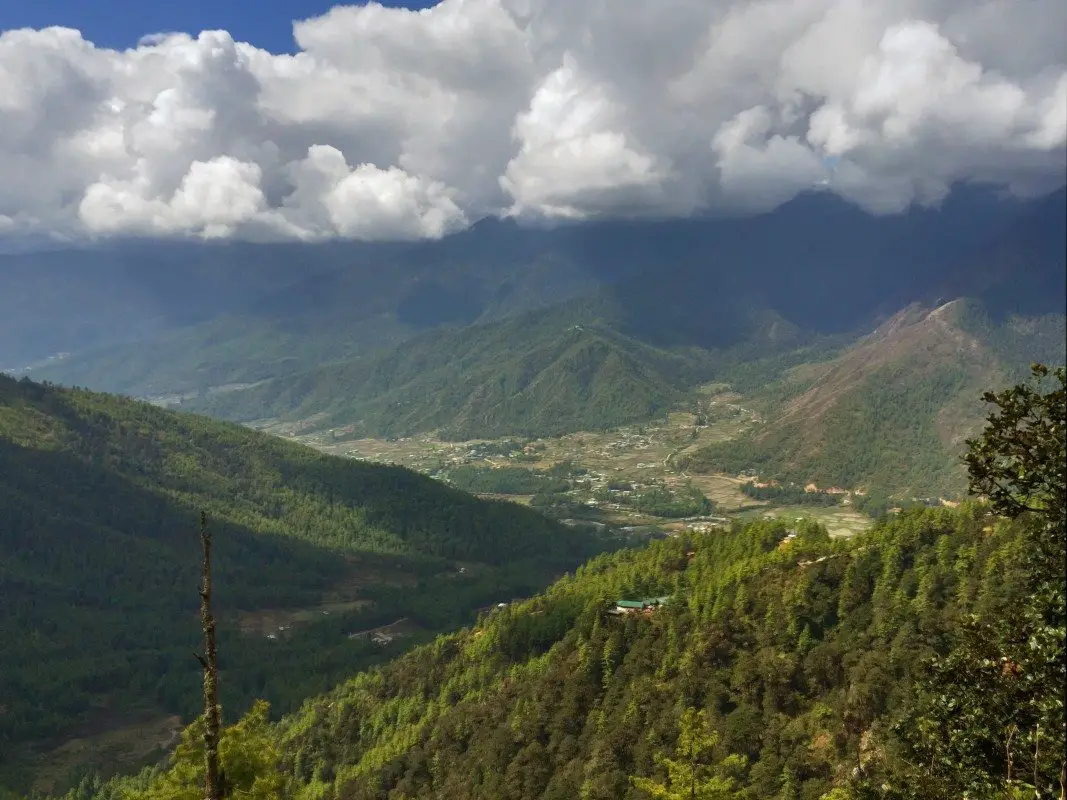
{"x":608,"y":470}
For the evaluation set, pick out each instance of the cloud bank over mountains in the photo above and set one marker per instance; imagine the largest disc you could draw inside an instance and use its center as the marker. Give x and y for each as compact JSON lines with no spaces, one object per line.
{"x":397,"y":124}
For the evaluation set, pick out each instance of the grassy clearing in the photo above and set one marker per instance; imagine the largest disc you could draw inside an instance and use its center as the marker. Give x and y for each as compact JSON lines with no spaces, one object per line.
{"x":108,"y":743}
{"x":839,"y":521}
{"x":280,"y":621}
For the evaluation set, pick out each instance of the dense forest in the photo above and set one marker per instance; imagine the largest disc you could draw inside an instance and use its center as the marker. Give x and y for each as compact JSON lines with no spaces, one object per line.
{"x":540,"y":374}
{"x":660,"y":500}
{"x":923,"y":659}
{"x":99,"y":499}
{"x":790,"y":493}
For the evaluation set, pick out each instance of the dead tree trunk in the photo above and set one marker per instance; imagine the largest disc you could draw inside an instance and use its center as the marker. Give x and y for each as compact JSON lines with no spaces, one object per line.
{"x":212,"y":713}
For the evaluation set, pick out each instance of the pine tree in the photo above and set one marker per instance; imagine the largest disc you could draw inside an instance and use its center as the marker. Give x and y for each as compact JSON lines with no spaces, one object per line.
{"x":690,"y":776}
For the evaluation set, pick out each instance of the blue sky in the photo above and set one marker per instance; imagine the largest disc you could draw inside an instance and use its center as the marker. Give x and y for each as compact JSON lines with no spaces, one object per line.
{"x":120,"y":23}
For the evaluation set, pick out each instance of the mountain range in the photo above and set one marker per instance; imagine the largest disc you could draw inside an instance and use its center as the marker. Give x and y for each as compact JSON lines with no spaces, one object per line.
{"x":817,"y":261}
{"x":506,"y":330}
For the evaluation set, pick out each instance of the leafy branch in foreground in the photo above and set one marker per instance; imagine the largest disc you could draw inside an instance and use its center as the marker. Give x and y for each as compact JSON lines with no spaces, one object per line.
{"x":1019,"y":462}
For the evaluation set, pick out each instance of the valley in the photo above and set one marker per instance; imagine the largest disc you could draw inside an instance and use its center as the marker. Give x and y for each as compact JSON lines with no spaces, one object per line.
{"x":839,"y":430}
{"x":639,"y":455}
{"x":614,"y":441}
{"x":433,"y":468}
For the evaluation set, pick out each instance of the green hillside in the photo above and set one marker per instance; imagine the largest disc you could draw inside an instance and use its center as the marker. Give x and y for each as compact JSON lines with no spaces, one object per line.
{"x":920,"y":660}
{"x":540,"y":374}
{"x":486,"y":382}
{"x":99,"y":557}
{"x":892,"y":412}
{"x":800,"y":650}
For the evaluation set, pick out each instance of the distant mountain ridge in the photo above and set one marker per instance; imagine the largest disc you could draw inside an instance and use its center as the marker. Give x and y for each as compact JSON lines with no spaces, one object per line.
{"x":628,"y":353}
{"x":817,"y":261}
{"x":338,"y":302}
{"x":634,"y":348}
{"x":507,"y":379}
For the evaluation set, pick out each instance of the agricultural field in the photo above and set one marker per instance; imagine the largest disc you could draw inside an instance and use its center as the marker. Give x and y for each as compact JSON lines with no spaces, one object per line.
{"x":644,"y":456}
{"x":838,"y":521}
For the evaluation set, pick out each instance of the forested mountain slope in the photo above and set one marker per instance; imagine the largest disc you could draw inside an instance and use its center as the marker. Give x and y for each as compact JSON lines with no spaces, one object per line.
{"x":817,"y":261}
{"x":801,"y":651}
{"x":99,"y":558}
{"x":921,"y":660}
{"x":350,"y":299}
{"x":544,"y":373}
{"x":891,"y":413}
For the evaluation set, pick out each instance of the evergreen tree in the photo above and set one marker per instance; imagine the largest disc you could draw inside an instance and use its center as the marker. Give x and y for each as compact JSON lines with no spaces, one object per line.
{"x":690,"y":773}
{"x":248,"y":756}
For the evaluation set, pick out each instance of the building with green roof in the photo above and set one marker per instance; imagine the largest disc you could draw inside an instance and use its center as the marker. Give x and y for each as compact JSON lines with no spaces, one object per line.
{"x":645,"y":604}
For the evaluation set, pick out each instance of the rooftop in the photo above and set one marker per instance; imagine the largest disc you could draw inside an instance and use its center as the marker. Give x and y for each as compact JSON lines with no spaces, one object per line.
{"x":646,"y":602}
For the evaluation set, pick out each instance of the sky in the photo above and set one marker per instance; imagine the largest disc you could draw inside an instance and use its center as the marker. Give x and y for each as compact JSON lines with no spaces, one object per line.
{"x":295,"y":120}
{"x":120,"y":24}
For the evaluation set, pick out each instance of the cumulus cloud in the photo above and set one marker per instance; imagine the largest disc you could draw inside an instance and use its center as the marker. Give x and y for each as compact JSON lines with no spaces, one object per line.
{"x":368,"y":202}
{"x":397,"y":124}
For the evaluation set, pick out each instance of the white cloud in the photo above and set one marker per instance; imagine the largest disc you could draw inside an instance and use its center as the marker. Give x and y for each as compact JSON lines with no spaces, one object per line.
{"x":398,"y":124}
{"x":368,"y":202}
{"x":214,"y":199}
{"x":575,"y":158}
